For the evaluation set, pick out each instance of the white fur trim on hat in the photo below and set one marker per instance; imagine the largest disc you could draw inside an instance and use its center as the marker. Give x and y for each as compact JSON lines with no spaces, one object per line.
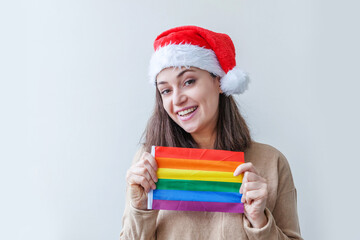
{"x":187,"y":55}
{"x":183,"y":55}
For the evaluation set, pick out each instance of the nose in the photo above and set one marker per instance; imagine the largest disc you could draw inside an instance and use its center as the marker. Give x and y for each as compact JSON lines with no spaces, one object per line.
{"x":178,"y":98}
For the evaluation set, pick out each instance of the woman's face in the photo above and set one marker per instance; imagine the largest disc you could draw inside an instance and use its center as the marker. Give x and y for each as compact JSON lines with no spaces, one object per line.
{"x":191,"y":98}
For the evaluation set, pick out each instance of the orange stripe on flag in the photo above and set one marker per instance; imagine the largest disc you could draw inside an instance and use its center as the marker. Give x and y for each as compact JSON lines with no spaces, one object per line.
{"x":194,"y":164}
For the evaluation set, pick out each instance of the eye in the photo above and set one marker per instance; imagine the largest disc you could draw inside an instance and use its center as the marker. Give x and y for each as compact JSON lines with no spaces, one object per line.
{"x":188,"y":82}
{"x":165,"y":91}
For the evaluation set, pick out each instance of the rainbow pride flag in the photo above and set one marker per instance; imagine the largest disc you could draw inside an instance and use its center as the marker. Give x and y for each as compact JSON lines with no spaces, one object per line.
{"x":192,"y":179}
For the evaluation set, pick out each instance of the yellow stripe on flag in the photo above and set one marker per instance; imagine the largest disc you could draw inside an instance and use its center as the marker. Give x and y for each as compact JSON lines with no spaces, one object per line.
{"x":168,"y":173}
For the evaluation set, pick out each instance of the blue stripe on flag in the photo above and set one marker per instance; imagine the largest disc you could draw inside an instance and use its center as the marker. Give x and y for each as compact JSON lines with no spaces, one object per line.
{"x":200,"y":196}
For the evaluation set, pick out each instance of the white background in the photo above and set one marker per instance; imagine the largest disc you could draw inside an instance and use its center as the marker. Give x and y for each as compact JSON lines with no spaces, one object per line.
{"x":75,"y":99}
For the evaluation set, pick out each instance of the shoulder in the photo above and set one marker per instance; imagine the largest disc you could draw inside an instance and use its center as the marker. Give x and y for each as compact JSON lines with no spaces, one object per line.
{"x":271,"y":164}
{"x":264,"y":154}
{"x":261,"y":149}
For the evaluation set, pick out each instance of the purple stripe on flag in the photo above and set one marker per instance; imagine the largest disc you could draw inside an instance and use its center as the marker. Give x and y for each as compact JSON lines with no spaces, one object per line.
{"x":198,"y":206}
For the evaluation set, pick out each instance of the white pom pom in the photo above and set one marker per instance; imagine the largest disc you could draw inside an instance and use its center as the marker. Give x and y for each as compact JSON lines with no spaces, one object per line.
{"x":234,"y":82}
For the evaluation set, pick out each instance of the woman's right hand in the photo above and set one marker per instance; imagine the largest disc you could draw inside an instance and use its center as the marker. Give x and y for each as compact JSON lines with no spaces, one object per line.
{"x":141,"y":178}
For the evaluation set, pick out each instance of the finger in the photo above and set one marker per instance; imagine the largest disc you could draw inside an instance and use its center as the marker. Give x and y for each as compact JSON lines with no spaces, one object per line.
{"x":144,"y":172}
{"x":151,"y":165}
{"x":151,"y":171}
{"x":149,"y":158}
{"x":141,"y":170}
{"x":245,"y":167}
{"x":243,"y":197}
{"x":249,"y":186}
{"x":152,"y":177}
{"x":256,"y":195}
{"x":140,"y":180}
{"x":250,"y":177}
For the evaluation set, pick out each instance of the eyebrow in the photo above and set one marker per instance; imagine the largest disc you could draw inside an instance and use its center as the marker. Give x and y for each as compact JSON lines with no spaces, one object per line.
{"x":179,"y":75}
{"x":182,"y":73}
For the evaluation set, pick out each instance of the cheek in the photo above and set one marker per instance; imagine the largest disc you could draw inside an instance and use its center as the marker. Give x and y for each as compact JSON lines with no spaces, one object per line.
{"x":211,"y":102}
{"x":167,"y":106}
{"x":212,"y":108}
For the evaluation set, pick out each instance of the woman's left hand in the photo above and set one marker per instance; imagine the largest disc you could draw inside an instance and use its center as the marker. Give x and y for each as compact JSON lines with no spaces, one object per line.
{"x":254,"y":194}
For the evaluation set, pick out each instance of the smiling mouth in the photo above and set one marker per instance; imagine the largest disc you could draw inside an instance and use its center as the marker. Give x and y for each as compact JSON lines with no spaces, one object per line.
{"x":187,"y":112}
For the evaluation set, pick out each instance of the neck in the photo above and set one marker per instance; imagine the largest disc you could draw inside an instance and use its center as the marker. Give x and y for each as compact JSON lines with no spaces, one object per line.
{"x":205,"y":141}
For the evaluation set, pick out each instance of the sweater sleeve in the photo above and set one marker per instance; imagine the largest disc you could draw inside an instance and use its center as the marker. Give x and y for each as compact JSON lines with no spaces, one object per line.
{"x":283,"y":221}
{"x":137,"y":224}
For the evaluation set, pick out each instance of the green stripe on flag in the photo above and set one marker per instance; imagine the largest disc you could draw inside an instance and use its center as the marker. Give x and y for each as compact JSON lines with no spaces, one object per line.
{"x":192,"y":185}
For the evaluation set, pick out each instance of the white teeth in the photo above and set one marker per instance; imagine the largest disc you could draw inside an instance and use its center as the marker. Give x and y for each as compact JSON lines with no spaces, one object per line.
{"x":182,"y":113}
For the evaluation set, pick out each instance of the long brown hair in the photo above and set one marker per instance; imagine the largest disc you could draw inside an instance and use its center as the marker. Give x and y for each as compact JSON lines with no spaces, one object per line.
{"x":232,"y":132}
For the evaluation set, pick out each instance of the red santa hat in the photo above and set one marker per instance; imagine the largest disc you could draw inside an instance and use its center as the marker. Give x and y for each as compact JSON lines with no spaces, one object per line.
{"x":192,"y":46}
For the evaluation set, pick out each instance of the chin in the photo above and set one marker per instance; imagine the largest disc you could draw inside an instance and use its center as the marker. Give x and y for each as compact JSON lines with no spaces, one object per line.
{"x":189,"y":129}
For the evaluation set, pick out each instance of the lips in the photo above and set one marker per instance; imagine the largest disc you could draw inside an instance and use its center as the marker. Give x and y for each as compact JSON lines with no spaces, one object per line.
{"x":187,"y":113}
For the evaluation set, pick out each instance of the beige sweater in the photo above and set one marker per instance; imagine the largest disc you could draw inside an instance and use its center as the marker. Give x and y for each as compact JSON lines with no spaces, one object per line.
{"x":281,"y":210}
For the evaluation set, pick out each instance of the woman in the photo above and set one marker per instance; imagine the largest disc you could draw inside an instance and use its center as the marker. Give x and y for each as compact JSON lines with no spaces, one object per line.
{"x":195,"y":74}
